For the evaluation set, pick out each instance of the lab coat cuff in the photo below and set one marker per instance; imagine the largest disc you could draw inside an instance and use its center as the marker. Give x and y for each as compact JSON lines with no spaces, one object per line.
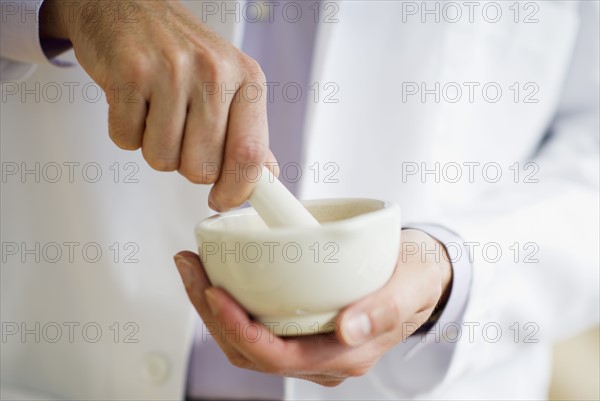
{"x":20,"y":37}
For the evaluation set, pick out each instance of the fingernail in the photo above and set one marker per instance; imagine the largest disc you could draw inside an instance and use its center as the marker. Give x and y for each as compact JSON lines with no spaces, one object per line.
{"x":186,"y":270}
{"x":357,"y":329}
{"x":211,"y":299}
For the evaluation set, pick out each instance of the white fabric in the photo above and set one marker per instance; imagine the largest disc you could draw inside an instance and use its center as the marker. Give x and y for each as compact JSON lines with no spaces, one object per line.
{"x":368,"y":53}
{"x":20,"y":39}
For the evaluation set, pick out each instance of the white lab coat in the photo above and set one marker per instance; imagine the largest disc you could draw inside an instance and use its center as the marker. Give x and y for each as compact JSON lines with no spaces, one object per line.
{"x":374,"y":139}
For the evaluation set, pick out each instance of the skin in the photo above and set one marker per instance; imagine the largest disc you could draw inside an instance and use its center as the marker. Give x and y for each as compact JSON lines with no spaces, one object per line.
{"x":167,"y":56}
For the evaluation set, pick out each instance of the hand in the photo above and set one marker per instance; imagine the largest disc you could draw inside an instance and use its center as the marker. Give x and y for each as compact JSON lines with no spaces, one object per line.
{"x":166,"y":77}
{"x":365,"y":331}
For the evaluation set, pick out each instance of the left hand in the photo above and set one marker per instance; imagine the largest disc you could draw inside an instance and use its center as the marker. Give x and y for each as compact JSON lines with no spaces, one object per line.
{"x":365,"y":330}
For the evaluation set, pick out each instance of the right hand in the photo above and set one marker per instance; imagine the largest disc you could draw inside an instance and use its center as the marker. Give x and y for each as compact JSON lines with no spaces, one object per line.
{"x":165,"y":77}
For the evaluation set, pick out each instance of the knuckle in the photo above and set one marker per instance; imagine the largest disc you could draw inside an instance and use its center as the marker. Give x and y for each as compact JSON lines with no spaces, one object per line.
{"x":253,"y":70}
{"x":124,"y":140}
{"x":249,"y":151}
{"x":161,"y":163}
{"x":197,"y":177}
{"x":178,"y":64}
{"x":211,"y":73}
{"x":238,"y":361}
{"x":214,"y":66}
{"x":138,"y":68}
{"x":225,"y":202}
{"x":330,"y":383}
{"x":273,"y":367}
{"x":386,"y":318}
{"x":358,"y":371}
{"x":128,"y":145}
{"x":164,"y":164}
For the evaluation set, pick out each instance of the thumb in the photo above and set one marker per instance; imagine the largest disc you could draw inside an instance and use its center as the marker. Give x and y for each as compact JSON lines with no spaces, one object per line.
{"x":371,"y":317}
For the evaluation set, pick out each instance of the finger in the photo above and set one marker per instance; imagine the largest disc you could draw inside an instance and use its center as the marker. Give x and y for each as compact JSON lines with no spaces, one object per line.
{"x":204,"y":140}
{"x":126,"y":116}
{"x":271,"y":163}
{"x":253,"y":340}
{"x":242,"y":333}
{"x":245,"y":149}
{"x":161,"y":144}
{"x":196,"y":282}
{"x":298,"y":357}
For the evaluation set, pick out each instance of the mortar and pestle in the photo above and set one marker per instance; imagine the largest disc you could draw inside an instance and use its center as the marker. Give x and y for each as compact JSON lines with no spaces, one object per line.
{"x":294,"y":265}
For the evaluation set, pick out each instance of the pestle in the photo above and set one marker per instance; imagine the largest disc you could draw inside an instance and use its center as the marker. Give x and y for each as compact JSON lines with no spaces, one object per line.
{"x":276,"y":205}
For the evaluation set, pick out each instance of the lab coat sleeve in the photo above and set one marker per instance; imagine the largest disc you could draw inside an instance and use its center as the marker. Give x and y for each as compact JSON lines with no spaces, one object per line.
{"x":544,"y":286}
{"x":21,"y":48}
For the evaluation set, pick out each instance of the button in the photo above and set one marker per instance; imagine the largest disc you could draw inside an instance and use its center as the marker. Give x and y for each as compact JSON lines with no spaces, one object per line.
{"x":156,"y":368}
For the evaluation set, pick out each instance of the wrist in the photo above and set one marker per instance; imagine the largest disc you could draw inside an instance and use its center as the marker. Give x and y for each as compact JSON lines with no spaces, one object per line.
{"x":60,"y":19}
{"x":52,"y":21}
